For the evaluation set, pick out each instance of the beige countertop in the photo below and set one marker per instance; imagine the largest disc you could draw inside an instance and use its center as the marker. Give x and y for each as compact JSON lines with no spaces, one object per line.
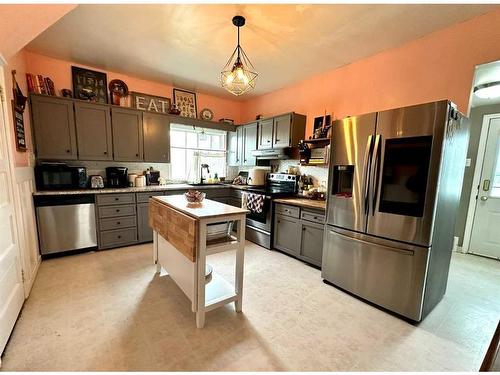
{"x":206,"y":209}
{"x":303,"y":202}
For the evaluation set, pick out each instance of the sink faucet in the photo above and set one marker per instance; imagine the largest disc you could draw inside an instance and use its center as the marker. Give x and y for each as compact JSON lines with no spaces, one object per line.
{"x":203,"y":166}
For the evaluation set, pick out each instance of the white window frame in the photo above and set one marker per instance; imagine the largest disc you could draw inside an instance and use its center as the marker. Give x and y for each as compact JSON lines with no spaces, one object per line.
{"x":198,"y":131}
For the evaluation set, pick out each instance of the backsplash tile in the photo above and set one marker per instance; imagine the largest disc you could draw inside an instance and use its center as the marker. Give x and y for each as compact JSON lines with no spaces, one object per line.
{"x":99,"y":167}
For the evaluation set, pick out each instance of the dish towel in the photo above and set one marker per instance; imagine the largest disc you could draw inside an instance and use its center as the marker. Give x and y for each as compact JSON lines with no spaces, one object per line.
{"x":253,"y":202}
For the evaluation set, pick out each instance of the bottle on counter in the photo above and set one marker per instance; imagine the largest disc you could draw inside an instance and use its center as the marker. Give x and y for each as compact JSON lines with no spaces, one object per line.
{"x":148,"y":177}
{"x":216,"y":178}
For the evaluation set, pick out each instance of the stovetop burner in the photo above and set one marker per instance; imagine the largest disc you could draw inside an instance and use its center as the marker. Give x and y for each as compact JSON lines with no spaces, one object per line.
{"x":278,"y":185}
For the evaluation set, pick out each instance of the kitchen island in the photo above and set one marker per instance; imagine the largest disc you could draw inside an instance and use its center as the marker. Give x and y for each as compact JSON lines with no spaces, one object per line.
{"x":184,"y":235}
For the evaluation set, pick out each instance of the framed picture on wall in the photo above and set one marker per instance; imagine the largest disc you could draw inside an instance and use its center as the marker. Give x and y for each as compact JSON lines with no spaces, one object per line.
{"x":89,"y":85}
{"x":186,"y":102}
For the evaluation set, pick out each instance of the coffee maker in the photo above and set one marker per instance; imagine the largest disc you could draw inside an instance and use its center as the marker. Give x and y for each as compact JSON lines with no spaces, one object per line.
{"x":116,"y":177}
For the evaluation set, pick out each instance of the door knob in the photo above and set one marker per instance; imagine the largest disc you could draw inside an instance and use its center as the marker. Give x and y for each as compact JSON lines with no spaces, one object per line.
{"x":484,"y":198}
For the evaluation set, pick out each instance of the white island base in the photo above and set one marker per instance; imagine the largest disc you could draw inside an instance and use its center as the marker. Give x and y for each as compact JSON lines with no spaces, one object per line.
{"x":189,"y":272}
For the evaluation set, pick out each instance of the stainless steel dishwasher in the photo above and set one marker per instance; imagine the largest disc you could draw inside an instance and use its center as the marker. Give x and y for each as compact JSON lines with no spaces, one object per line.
{"x":65,"y":222}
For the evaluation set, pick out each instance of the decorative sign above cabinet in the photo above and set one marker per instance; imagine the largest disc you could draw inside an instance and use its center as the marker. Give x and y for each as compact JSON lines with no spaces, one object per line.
{"x":151,"y":103}
{"x":89,"y":85}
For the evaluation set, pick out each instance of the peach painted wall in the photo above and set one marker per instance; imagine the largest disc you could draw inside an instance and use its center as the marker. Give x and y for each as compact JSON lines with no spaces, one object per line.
{"x":21,"y":23}
{"x":18,"y":63}
{"x":437,"y":66}
{"x":60,"y":72}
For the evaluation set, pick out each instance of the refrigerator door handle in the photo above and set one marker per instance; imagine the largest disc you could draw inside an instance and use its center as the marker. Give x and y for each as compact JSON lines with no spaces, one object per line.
{"x":366,"y":169}
{"x":375,"y":172}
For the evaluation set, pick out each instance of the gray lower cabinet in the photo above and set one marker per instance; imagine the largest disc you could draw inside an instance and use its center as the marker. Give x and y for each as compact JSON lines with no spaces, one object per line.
{"x":311,"y":244}
{"x":156,"y":137}
{"x":93,"y":131}
{"x":299,"y":232}
{"x":117,"y":220}
{"x":144,"y":231}
{"x":127,"y":134}
{"x":54,"y":128}
{"x":287,"y":234}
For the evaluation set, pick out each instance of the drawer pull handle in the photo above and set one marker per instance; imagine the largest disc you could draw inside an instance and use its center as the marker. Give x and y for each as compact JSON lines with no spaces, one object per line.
{"x":119,"y":236}
{"x":315,"y":218}
{"x":116,"y":199}
{"x":117,"y":210}
{"x":118,"y":223}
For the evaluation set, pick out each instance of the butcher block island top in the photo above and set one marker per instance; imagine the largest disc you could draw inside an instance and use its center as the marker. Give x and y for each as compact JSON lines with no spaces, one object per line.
{"x":206,"y":209}
{"x":184,"y":234}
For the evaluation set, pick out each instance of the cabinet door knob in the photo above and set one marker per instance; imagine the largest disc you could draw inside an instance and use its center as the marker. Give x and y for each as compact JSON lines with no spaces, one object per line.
{"x":303,"y":228}
{"x":119,"y":236}
{"x":118,"y":223}
{"x":68,"y":151}
{"x":117,"y":210}
{"x":279,"y":221}
{"x":137,"y":155}
{"x":116,"y":199}
{"x":268,"y":141}
{"x":105,"y":152}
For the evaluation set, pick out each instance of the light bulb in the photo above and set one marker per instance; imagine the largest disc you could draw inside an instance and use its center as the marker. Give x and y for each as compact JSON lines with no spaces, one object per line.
{"x":229,"y":79}
{"x":240,"y":74}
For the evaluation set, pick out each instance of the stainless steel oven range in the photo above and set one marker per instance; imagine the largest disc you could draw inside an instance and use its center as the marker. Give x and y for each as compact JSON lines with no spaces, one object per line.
{"x":259,"y":224}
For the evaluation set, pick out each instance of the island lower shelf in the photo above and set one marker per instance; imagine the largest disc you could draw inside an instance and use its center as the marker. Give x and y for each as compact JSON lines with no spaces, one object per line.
{"x":184,"y":235}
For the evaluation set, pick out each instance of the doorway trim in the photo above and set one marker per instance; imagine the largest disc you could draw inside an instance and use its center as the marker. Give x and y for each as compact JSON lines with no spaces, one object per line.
{"x":471,"y":210}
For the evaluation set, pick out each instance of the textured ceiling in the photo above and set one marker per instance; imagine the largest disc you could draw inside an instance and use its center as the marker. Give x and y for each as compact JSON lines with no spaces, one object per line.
{"x":187,"y":45}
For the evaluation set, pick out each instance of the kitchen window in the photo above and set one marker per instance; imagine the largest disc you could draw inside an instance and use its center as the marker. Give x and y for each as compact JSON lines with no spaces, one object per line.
{"x":190,"y":147}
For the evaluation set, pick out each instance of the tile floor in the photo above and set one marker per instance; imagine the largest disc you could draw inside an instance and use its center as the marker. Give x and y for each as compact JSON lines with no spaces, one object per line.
{"x":110,"y":311}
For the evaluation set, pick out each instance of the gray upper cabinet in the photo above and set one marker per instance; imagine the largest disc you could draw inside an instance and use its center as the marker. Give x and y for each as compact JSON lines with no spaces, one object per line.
{"x":250,"y":144}
{"x":265,"y":134}
{"x":127,"y":134}
{"x":93,"y":129}
{"x":54,"y":128}
{"x":156,"y":137}
{"x":232,"y":149}
{"x":282,"y":131}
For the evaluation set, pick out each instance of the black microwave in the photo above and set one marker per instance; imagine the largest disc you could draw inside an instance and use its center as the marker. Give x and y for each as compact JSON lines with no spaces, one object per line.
{"x":59,"y":176}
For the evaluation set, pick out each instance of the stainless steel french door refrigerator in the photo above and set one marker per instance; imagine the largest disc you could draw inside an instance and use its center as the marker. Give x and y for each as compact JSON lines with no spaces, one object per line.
{"x":394,"y":189}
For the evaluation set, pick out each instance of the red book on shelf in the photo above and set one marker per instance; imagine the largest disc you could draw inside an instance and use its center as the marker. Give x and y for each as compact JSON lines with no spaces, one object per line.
{"x":41,"y":83}
{"x":49,"y":84}
{"x":30,"y":83}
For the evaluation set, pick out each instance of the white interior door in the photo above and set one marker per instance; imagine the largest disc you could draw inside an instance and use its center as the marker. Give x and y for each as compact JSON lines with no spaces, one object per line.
{"x":11,"y":285}
{"x":485,"y":238}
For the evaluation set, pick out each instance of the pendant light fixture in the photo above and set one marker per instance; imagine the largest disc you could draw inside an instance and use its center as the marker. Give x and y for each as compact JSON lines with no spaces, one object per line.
{"x":238,"y":75}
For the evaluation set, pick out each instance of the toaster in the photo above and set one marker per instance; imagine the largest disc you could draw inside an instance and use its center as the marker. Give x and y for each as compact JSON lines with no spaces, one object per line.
{"x":96,"y":182}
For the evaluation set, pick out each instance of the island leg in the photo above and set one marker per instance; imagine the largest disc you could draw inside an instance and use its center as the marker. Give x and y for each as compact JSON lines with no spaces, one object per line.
{"x":240,"y":254}
{"x":200,"y":263}
{"x":155,"y":251}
